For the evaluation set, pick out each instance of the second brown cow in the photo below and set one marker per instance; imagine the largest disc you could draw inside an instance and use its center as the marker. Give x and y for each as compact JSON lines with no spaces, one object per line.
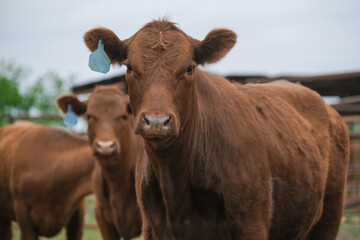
{"x":115,"y":146}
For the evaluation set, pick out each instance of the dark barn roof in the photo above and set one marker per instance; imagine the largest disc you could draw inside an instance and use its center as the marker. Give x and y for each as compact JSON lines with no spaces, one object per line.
{"x":88,"y":87}
{"x":346,"y":84}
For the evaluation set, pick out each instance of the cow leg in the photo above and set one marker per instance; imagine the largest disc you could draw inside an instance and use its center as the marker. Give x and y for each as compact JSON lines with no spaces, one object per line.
{"x":74,"y":228}
{"x":5,"y":229}
{"x":153,"y":212}
{"x":146,"y":230}
{"x":27,"y":229}
{"x":108,"y":231}
{"x":251,"y":229}
{"x":251,"y":222}
{"x":328,"y":225}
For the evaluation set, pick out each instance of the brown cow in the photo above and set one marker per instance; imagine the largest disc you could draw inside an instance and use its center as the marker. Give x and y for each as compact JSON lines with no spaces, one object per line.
{"x":45,"y":173}
{"x":223,"y":160}
{"x":110,"y":130}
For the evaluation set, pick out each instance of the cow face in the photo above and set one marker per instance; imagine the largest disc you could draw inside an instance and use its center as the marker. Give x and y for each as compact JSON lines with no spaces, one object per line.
{"x":161,"y":63}
{"x":109,"y":118}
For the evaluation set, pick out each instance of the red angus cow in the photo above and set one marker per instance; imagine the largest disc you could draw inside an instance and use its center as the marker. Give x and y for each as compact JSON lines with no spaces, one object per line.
{"x":115,"y":146}
{"x":45,"y":173}
{"x":223,"y":160}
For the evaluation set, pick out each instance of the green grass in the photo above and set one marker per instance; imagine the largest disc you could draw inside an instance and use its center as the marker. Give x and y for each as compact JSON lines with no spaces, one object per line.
{"x":350,"y":228}
{"x":88,"y":234}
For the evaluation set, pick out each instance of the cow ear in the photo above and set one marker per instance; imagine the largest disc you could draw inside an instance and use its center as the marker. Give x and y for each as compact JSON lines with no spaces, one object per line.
{"x":113,"y":46}
{"x":215,"y":46}
{"x":128,"y":108}
{"x":79,"y":108}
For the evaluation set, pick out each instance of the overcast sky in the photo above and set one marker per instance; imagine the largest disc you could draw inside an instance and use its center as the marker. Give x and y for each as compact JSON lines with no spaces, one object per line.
{"x":275,"y":37}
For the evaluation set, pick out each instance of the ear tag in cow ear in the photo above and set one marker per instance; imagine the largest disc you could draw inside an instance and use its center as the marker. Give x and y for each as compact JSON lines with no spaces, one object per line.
{"x":70,"y":118}
{"x":98,"y":60}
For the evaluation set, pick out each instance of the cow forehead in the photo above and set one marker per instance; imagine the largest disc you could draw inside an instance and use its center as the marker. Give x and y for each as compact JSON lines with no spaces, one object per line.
{"x":155,"y":47}
{"x":108,"y":101}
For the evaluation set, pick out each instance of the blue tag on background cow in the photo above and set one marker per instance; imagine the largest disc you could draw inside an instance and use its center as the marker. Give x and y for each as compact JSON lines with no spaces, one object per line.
{"x":98,"y":60}
{"x":70,"y":118}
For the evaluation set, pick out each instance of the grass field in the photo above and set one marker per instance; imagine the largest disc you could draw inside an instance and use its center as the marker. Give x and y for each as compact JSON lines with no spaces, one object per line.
{"x":350,"y":229}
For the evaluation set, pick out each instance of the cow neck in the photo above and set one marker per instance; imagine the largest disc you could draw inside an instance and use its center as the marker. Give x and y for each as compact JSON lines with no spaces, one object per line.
{"x":118,"y":172}
{"x":172,"y":174}
{"x":173,"y":164}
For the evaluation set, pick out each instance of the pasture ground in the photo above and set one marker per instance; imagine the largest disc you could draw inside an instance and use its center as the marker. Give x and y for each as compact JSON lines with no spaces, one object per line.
{"x":350,"y":229}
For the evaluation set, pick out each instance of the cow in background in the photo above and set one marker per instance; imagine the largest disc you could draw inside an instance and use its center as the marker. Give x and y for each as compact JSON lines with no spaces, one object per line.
{"x":115,"y":146}
{"x":226,"y":161}
{"x":45,"y":173}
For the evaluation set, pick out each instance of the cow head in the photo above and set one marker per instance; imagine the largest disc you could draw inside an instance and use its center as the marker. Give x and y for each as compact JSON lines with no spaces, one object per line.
{"x":161,"y":63}
{"x":109,"y":118}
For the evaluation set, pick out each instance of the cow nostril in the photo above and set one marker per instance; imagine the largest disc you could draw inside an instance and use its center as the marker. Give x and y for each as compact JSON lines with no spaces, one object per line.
{"x":146,"y":118}
{"x":105,"y":148}
{"x":112,"y":145}
{"x":167,"y":121}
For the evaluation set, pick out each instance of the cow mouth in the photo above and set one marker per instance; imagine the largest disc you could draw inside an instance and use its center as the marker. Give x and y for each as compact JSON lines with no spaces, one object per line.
{"x":155,"y":137}
{"x":160,"y":141}
{"x":105,"y":154}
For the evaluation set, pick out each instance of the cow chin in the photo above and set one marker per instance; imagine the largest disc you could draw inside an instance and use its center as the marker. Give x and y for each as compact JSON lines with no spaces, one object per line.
{"x":105,"y":153}
{"x":153,"y":136}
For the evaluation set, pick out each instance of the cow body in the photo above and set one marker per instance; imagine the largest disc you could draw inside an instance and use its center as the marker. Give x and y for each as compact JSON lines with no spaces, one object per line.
{"x":266,"y":170}
{"x":224,"y":160}
{"x":45,"y":173}
{"x":115,"y":146}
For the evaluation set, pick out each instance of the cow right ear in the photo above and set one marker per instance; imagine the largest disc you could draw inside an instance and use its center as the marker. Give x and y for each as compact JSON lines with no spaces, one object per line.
{"x":215,"y":46}
{"x":79,"y":108}
{"x":113,"y":46}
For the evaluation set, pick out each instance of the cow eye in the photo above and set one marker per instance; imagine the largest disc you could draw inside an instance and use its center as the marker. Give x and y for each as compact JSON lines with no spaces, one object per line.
{"x":190,"y":70}
{"x":129,"y":68}
{"x":122,"y":117}
{"x":90,"y":117}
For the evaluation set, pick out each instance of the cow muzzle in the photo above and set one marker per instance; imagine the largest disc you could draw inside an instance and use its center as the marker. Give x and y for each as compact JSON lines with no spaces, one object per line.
{"x":105,"y":148}
{"x":156,"y":125}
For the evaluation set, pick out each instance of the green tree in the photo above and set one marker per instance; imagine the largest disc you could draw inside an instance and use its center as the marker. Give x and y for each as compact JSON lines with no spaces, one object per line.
{"x":18,"y":97}
{"x":43,"y":93}
{"x":10,"y":96}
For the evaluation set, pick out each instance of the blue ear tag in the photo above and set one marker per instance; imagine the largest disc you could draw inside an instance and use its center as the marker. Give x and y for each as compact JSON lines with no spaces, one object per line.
{"x":70,"y":118}
{"x":98,"y":60}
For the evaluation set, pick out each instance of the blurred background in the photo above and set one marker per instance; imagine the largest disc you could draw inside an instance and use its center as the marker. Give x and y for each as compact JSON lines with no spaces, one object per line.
{"x":42,"y":55}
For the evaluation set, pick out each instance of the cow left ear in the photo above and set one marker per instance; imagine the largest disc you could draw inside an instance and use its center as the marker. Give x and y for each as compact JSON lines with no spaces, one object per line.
{"x":78,"y":107}
{"x":113,"y":46}
{"x":215,"y":46}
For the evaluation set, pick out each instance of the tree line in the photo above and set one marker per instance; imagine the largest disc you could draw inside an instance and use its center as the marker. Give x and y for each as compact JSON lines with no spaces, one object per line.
{"x":22,"y":95}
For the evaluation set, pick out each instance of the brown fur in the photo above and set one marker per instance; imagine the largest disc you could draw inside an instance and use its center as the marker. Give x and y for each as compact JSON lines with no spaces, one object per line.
{"x":45,"y":173}
{"x":237,"y":161}
{"x":109,"y":118}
